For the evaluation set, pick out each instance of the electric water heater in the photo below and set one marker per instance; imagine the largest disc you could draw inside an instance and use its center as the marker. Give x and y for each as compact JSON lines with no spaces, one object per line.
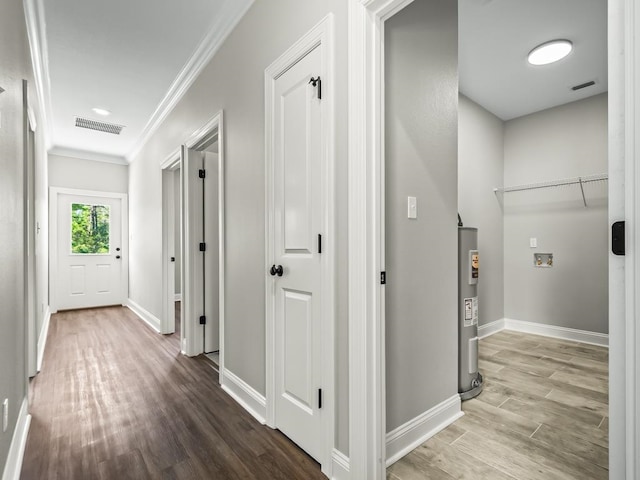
{"x":469,"y":378}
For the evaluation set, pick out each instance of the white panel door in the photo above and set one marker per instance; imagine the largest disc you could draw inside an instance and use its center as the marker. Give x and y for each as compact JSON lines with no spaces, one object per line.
{"x":200,"y":289}
{"x":89,"y":256}
{"x":211,"y":255}
{"x":297,"y":217}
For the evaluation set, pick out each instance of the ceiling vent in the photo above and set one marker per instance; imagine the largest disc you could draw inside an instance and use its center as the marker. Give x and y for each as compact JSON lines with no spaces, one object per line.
{"x":99,"y":126}
{"x":583,"y":85}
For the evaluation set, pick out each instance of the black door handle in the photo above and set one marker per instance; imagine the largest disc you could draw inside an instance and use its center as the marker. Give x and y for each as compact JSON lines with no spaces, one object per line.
{"x":276,"y":270}
{"x":117,"y":256}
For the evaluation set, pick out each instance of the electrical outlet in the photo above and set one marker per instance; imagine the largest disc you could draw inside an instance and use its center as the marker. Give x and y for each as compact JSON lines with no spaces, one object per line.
{"x":5,"y":414}
{"x":412,"y":207}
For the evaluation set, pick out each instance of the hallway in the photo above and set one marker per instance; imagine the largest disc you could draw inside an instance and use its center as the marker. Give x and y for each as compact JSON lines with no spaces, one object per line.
{"x":116,"y":400}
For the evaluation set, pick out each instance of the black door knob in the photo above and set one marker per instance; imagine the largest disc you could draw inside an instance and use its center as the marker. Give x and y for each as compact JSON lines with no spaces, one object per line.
{"x":117,"y":256}
{"x":276,"y":270}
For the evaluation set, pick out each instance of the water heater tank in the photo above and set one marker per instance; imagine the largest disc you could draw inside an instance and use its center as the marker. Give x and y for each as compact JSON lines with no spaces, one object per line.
{"x":469,"y":378}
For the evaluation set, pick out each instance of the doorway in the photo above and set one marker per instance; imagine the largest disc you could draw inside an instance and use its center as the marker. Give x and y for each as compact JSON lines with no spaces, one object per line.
{"x":365,"y":84}
{"x":193,"y":243}
{"x":300,"y":239}
{"x":89,"y":259}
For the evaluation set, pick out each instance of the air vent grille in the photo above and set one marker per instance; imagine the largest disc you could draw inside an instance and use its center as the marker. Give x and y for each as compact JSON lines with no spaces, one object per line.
{"x":99,"y":126}
{"x":583,"y":85}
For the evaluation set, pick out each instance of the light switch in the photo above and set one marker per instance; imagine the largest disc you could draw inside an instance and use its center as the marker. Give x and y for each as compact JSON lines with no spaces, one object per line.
{"x":533,"y":242}
{"x":412,"y":207}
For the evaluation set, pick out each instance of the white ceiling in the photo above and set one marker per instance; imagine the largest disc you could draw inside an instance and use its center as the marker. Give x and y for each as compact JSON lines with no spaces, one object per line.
{"x":131,"y":57}
{"x":497,"y":35}
{"x":136,"y":57}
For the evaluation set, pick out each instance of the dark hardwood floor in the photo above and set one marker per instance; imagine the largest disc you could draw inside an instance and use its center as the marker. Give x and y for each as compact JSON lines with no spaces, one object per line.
{"x":115,"y":400}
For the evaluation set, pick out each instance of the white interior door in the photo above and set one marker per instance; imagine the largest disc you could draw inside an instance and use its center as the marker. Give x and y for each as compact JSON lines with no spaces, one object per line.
{"x":89,"y":252}
{"x":200,"y":288}
{"x":211,"y":254}
{"x":297,"y":273}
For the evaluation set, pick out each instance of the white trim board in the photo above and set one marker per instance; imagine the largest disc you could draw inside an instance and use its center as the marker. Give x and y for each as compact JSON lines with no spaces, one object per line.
{"x":414,"y":433}
{"x":490,"y":328}
{"x":144,"y":315}
{"x":554,"y":331}
{"x":340,"y":466}
{"x":232,"y":12}
{"x":575,"y":335}
{"x":13,"y":466}
{"x":36,"y":31}
{"x":42,"y":338}
{"x":243,"y":393}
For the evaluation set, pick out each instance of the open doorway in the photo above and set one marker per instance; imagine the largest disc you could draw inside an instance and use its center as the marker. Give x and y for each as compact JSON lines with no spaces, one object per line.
{"x":193,"y":219}
{"x":542,"y":236}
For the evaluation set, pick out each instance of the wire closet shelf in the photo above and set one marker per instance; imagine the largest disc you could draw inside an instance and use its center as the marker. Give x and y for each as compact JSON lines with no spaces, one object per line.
{"x":602,"y":177}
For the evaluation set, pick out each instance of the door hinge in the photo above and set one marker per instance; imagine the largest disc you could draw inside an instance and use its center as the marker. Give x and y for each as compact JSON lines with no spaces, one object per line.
{"x":319,"y":243}
{"x":383,"y":278}
{"x":202,"y":173}
{"x":316,"y":82}
{"x":203,"y":320}
{"x":319,"y":398}
{"x":617,"y":238}
{"x":203,"y":247}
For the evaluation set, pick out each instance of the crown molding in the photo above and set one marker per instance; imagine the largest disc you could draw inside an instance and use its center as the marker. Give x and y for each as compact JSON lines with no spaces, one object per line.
{"x":229,"y":17}
{"x":36,"y":32}
{"x":86,"y":155}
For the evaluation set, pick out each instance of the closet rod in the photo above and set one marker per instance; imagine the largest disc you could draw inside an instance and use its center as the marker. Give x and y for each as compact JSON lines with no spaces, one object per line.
{"x":556,"y":183}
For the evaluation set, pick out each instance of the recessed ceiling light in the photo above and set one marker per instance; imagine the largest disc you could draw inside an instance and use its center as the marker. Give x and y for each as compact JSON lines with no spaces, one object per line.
{"x":101,"y":111}
{"x":550,"y":52}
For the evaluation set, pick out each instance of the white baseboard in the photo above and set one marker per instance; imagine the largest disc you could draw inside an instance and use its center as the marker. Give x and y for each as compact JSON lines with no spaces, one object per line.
{"x":564,"y":333}
{"x":13,"y":466}
{"x":243,"y":393}
{"x":42,"y":338}
{"x":145,"y":316}
{"x":490,"y":328}
{"x":415,"y":432}
{"x":340,"y":466}
{"x":178,"y":297}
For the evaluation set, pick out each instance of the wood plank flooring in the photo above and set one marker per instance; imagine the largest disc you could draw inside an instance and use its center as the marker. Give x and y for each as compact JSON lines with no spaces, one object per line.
{"x":543,"y":415}
{"x":115,"y":400}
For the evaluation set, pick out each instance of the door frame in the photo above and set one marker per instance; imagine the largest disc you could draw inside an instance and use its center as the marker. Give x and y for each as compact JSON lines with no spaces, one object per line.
{"x":191,"y":340}
{"x":321,"y":36}
{"x":367,"y":429}
{"x":168,"y":319}
{"x":54,"y":192}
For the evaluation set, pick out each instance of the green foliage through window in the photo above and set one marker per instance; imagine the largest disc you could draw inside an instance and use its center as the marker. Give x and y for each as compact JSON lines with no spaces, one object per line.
{"x":89,"y":228}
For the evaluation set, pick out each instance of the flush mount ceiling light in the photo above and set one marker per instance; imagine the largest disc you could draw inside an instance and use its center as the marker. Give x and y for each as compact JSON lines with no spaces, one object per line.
{"x":101,"y":111}
{"x":550,"y":52}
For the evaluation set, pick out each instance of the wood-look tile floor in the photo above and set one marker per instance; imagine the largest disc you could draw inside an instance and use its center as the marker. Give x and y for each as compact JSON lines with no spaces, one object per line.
{"x":116,"y":401}
{"x":543,"y":415}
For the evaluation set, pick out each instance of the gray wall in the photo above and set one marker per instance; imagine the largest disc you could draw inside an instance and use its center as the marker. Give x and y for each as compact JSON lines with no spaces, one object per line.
{"x":84,"y":174}
{"x":268,"y":29}
{"x":421,"y":77}
{"x":480,"y":169}
{"x":15,"y":65}
{"x":562,"y":142}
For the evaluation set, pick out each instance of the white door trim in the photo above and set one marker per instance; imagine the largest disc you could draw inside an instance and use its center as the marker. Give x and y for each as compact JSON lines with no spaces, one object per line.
{"x":191,"y":341}
{"x":367,"y":392}
{"x":321,"y":34}
{"x":54,"y":192}
{"x":627,"y":335}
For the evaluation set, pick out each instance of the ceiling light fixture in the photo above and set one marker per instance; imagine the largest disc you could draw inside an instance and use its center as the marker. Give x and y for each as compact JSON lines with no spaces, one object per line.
{"x":550,"y":52}
{"x":101,"y":111}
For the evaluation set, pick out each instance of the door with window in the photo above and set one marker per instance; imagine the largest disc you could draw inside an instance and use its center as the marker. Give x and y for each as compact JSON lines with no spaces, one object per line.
{"x":89,"y":252}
